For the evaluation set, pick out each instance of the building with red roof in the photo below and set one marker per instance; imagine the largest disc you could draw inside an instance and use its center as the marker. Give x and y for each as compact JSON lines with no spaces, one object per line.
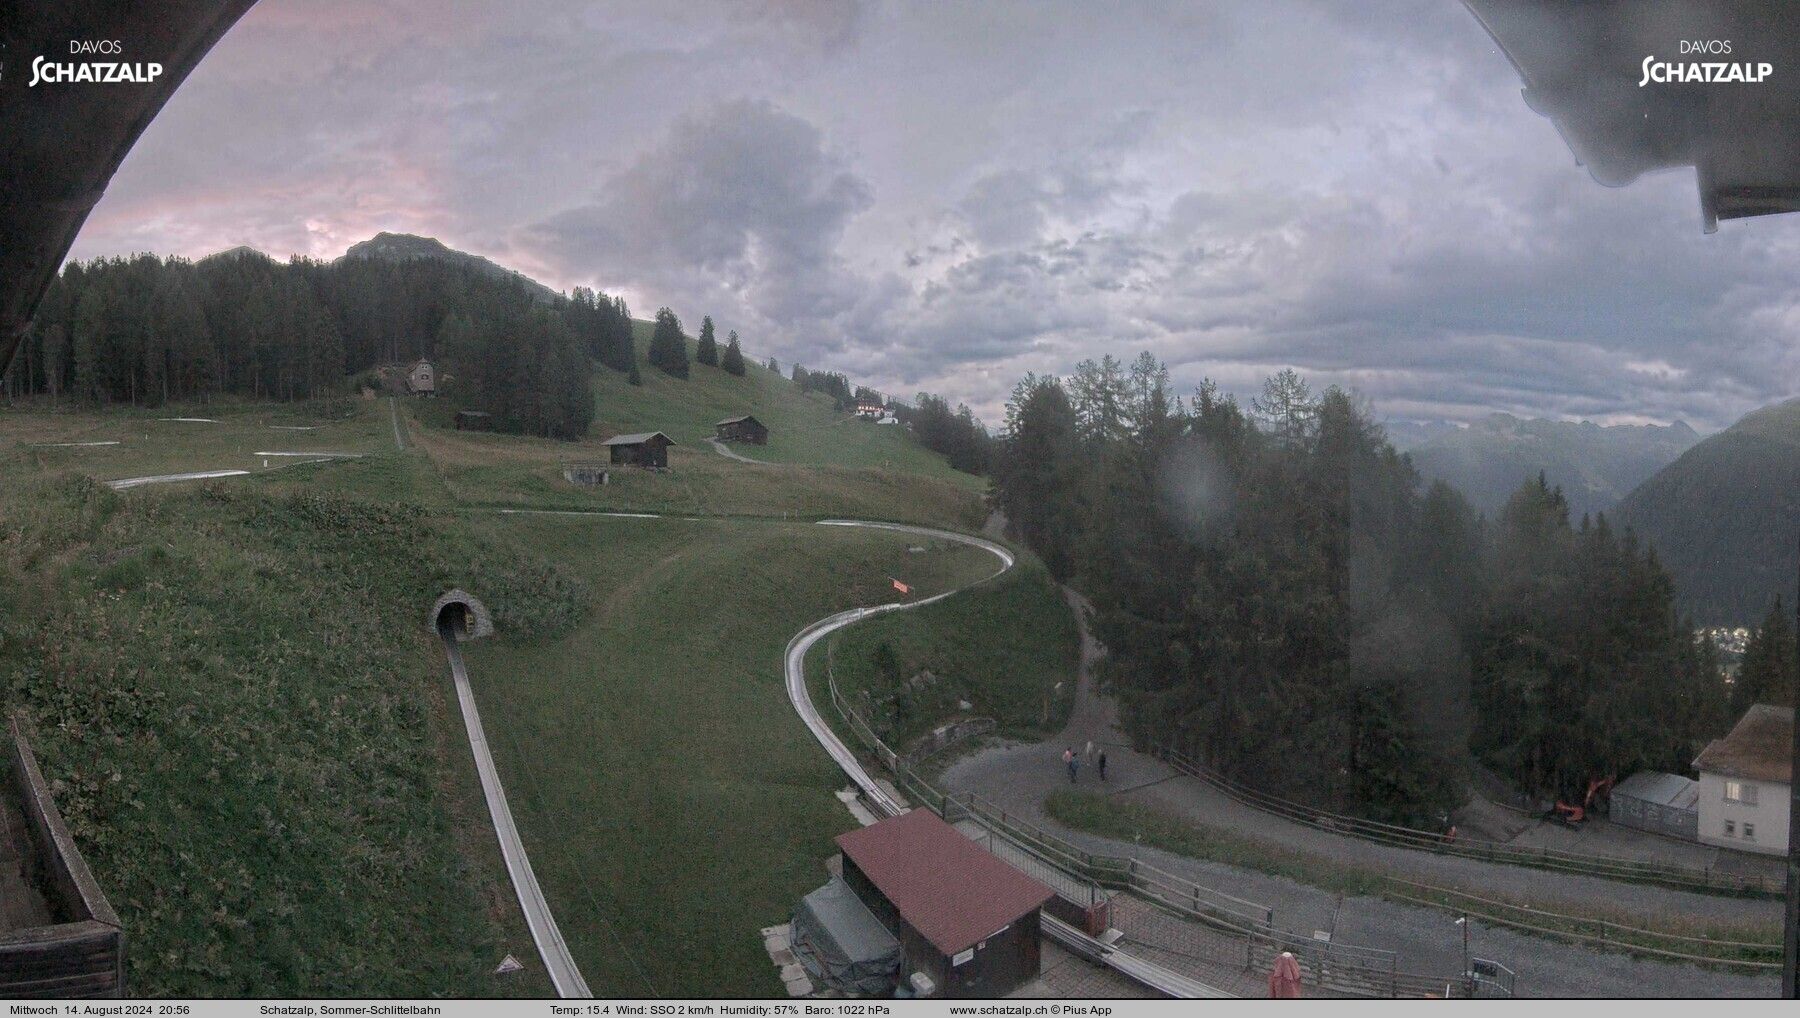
{"x":966,"y":920}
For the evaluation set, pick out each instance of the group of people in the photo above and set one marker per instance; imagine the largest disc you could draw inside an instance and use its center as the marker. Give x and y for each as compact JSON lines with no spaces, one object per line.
{"x":1073,"y":761}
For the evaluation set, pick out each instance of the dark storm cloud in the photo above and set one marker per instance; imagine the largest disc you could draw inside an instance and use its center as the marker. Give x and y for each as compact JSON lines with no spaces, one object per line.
{"x":741,"y":198}
{"x":946,"y":196}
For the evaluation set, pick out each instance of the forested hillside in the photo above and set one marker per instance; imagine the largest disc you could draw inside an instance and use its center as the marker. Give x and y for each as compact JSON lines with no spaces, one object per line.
{"x":149,"y":330}
{"x":1280,"y":598}
{"x":1725,"y":517}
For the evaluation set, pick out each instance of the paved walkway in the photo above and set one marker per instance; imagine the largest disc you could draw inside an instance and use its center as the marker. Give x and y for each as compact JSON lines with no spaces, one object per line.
{"x":1018,"y":777}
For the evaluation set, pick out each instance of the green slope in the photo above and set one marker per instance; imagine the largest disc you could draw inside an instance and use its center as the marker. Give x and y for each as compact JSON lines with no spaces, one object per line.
{"x":1724,"y":517}
{"x":803,"y":427}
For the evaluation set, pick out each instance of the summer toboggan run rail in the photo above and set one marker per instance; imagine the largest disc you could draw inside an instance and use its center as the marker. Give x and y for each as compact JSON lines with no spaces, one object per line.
{"x":1142,"y":970}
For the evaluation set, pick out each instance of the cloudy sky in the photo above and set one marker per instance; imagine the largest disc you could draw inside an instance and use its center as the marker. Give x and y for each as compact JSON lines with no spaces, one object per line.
{"x":944,"y":196}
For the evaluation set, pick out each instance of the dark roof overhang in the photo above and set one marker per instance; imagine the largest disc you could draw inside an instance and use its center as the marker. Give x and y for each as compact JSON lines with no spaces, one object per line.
{"x":61,"y":142}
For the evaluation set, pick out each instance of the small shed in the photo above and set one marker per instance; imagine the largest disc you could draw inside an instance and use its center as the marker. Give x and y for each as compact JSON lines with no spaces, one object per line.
{"x":474,"y":420}
{"x":966,"y":921}
{"x":649,"y":449}
{"x":421,"y":379}
{"x":742,"y":429}
{"x":1658,"y":803}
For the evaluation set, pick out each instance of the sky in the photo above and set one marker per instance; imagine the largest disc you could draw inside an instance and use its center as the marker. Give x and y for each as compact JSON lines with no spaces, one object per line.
{"x":945,"y":196}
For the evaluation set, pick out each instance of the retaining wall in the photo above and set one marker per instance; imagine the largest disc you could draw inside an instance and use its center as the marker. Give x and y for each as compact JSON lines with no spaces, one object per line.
{"x":84,"y":955}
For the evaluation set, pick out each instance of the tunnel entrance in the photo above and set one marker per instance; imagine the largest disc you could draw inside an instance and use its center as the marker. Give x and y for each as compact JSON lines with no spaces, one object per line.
{"x":459,"y":615}
{"x":454,"y":620}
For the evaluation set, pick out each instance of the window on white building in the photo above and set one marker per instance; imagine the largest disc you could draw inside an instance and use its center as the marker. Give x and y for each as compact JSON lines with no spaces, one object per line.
{"x":1737,"y":791}
{"x":1749,"y":831}
{"x":1731,"y":828}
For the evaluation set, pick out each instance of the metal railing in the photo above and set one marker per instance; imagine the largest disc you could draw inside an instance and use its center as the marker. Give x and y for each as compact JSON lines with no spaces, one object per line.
{"x":1167,"y":914}
{"x":1609,"y":867}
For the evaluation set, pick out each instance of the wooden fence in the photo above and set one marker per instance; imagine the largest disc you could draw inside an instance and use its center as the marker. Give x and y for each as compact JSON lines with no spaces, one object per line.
{"x":1610,"y":867}
{"x":1219,"y":928}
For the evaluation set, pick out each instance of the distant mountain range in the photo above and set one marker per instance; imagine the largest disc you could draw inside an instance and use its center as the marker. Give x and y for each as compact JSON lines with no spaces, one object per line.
{"x":1725,"y":517}
{"x":403,"y":246}
{"x":1595,"y":466}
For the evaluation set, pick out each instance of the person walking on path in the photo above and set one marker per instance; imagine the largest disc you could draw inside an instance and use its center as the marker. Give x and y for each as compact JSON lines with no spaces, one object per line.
{"x":1103,"y":765}
{"x":1073,"y":762}
{"x":1089,"y":754}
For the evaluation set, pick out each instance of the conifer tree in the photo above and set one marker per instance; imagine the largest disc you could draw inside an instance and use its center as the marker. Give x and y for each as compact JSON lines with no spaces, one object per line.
{"x":1767,"y":674}
{"x":734,"y":355}
{"x":706,"y":350}
{"x":668,"y":345}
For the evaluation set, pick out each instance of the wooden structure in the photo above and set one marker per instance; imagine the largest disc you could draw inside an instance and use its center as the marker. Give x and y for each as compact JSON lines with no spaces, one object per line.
{"x":648,"y":449}
{"x":80,"y":952}
{"x":966,"y":921}
{"x":742,"y":429}
{"x":474,"y":420}
{"x":421,"y":379}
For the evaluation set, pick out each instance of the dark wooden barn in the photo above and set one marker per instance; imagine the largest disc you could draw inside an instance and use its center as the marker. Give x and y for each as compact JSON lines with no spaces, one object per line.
{"x":742,"y":429}
{"x":966,"y":920}
{"x":642,"y":450}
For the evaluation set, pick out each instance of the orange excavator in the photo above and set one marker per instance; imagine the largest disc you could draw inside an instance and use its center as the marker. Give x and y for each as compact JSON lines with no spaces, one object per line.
{"x":1571,"y":815}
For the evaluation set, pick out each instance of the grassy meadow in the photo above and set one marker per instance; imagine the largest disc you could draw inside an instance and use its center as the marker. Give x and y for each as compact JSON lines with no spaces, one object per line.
{"x":1003,"y":647}
{"x":673,"y":802}
{"x":250,"y":733}
{"x":254,"y":739}
{"x":153,"y":442}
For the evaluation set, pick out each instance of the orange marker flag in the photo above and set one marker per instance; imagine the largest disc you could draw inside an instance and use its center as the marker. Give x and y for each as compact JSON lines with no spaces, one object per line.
{"x":901,"y":587}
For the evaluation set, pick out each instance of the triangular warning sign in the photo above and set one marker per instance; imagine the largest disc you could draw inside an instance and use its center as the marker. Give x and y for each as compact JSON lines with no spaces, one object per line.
{"x":508,"y":964}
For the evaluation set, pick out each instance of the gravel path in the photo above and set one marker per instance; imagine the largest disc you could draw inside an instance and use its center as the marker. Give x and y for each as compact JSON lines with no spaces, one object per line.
{"x":1018,"y":777}
{"x":730,"y":455}
{"x":399,"y":433}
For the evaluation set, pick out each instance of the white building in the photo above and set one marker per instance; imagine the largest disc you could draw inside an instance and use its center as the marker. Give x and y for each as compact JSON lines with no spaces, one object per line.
{"x":1744,"y":783}
{"x":421,"y":379}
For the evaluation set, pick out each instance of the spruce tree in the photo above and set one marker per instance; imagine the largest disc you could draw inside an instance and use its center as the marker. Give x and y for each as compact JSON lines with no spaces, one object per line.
{"x":734,"y":355}
{"x":706,"y":351}
{"x":668,"y":345}
{"x":1767,"y":672}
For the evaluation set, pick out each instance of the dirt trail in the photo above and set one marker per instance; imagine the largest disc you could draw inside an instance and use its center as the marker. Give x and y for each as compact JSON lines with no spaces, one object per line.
{"x":731,"y":455}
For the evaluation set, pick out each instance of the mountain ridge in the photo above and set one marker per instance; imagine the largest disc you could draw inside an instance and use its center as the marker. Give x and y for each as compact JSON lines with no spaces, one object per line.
{"x":406,"y":246}
{"x":1595,"y":465}
{"x":1725,"y":515}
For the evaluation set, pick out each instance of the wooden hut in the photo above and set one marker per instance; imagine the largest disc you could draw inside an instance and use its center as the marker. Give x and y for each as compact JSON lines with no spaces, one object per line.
{"x":970,"y":924}
{"x":742,"y":429}
{"x":649,"y":449}
{"x":474,"y":420}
